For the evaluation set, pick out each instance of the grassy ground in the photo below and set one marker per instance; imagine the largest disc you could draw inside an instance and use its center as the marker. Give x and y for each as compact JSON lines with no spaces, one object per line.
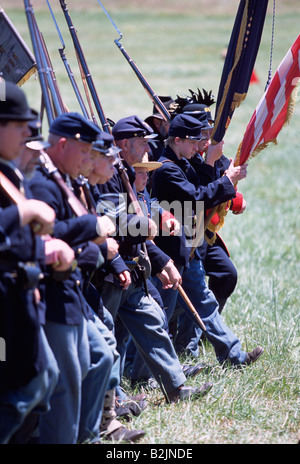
{"x":179,"y":50}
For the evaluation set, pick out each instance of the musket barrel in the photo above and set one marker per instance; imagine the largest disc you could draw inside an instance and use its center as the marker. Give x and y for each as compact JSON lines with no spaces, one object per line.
{"x":67,"y":66}
{"x":155,"y":99}
{"x":40,"y":66}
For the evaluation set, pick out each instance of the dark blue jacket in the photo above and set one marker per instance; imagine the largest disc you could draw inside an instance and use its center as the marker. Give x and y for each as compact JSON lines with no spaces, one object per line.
{"x":65,"y":300}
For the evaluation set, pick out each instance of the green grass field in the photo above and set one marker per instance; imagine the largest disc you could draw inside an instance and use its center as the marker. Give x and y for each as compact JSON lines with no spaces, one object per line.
{"x":176,"y":50}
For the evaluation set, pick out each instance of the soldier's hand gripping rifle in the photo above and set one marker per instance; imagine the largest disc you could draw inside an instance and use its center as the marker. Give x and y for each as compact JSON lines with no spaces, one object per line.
{"x":105,"y":126}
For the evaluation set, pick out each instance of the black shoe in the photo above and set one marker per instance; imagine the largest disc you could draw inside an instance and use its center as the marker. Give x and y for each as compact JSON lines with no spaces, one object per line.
{"x":183,"y":393}
{"x":192,"y":371}
{"x":123,"y":434}
{"x":131,"y":406}
{"x":253,"y":356}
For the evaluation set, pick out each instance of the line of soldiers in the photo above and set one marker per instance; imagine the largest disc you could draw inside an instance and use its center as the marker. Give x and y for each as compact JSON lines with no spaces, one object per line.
{"x":89,"y":279}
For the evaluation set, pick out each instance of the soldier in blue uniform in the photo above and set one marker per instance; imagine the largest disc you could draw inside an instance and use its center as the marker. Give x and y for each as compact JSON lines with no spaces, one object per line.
{"x":166,"y":223}
{"x":218,"y":266}
{"x":138,"y":312}
{"x":177,"y":180}
{"x":221,"y":272}
{"x":116,"y":403}
{"x":68,"y":313}
{"x":100,"y":318}
{"x":30,"y":373}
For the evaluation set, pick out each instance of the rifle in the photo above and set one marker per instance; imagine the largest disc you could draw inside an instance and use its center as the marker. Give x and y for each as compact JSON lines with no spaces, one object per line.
{"x":51,"y":96}
{"x":14,"y":50}
{"x":68,"y":68}
{"x":84,"y":67}
{"x":55,"y":107}
{"x":75,"y":204}
{"x":150,"y":92}
{"x":39,"y":61}
{"x":88,"y":198}
{"x":105,"y":125}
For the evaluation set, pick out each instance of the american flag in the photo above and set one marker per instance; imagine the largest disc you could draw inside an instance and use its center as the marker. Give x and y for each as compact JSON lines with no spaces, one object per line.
{"x":275,"y":107}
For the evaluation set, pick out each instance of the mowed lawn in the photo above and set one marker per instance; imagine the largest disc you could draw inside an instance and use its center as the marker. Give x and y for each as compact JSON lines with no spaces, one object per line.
{"x":177,"y":51}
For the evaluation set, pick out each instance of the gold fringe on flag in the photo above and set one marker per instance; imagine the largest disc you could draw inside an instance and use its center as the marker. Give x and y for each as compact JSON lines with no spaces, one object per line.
{"x":222,"y":209}
{"x":289,"y":114}
{"x":238,"y":98}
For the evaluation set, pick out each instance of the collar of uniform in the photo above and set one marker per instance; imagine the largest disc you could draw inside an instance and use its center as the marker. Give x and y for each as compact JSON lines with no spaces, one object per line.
{"x":13,"y":167}
{"x":130,"y":171}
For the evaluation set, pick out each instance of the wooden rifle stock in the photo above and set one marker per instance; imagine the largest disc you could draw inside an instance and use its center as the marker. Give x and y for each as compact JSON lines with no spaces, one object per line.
{"x":89,"y":200}
{"x":11,"y":190}
{"x":153,"y":96}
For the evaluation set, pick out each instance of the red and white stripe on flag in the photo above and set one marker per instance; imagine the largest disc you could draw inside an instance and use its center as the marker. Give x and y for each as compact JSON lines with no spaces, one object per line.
{"x":272,"y":111}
